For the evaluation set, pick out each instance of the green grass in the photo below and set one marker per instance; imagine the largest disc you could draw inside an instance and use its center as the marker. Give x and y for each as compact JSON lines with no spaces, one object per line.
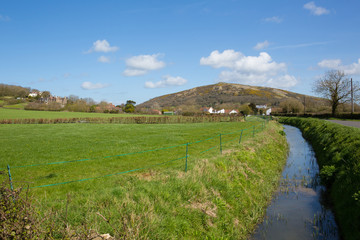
{"x":220,"y":196}
{"x":23,"y":114}
{"x":19,"y":106}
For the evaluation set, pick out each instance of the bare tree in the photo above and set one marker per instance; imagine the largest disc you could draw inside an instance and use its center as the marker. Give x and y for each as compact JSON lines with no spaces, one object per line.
{"x":335,"y":86}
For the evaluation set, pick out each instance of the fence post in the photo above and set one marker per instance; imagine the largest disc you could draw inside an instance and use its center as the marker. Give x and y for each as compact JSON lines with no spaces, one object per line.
{"x":241,"y":136}
{"x":187,"y":148}
{"x":220,"y":145}
{"x":254,"y":131}
{"x":10,"y":179}
{"x":11,"y":185}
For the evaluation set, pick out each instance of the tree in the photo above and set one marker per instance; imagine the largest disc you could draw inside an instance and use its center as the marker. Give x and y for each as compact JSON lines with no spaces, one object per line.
{"x":253,"y":108}
{"x":129,"y":106}
{"x":245,"y":109}
{"x":336,"y":87}
{"x":291,"y":106}
{"x":45,"y":94}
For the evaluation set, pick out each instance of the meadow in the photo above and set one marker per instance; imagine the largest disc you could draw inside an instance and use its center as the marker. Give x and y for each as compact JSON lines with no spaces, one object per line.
{"x":29,"y":114}
{"x":220,"y":195}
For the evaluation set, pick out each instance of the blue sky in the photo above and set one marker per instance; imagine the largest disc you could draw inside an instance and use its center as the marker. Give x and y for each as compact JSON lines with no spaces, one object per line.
{"x":138,"y":50}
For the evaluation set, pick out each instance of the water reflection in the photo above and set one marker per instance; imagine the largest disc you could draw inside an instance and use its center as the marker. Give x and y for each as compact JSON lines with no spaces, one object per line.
{"x":298,"y":210}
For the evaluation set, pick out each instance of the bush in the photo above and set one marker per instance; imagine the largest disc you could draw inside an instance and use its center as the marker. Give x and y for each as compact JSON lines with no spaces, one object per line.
{"x":17,"y":216}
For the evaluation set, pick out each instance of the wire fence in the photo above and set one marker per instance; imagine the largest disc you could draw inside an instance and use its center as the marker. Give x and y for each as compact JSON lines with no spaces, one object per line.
{"x":177,"y":153}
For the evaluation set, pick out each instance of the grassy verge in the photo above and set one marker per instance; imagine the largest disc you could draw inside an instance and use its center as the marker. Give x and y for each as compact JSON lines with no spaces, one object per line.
{"x":337,"y":149}
{"x":220,"y":196}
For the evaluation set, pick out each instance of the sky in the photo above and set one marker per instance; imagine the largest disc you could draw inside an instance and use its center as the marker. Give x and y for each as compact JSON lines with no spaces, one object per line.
{"x":136,"y":50}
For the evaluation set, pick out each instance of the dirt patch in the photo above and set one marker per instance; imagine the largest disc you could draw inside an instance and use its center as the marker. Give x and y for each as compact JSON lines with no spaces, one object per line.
{"x":208,"y":208}
{"x":147,"y":176}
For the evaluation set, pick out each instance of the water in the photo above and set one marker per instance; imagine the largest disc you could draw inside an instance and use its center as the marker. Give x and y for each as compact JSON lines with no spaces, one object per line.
{"x":299,"y":210}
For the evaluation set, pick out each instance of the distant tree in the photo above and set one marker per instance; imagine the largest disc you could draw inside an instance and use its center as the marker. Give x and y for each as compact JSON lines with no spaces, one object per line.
{"x":336,"y":87}
{"x":45,"y":94}
{"x":89,"y":101}
{"x":72,"y":99}
{"x":245,"y":109}
{"x":129,"y":106}
{"x":253,"y":108}
{"x":291,"y":106}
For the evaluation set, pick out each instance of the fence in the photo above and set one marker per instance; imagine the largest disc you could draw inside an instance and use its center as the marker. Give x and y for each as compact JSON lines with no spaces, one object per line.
{"x":182,"y":149}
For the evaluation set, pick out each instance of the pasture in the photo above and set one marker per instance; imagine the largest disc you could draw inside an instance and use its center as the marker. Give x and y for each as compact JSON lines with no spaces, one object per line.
{"x":24,"y":114}
{"x":160,"y":199}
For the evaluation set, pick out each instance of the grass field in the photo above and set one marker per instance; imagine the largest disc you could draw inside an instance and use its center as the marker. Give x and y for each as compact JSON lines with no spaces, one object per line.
{"x":22,"y":114}
{"x":218,"y":197}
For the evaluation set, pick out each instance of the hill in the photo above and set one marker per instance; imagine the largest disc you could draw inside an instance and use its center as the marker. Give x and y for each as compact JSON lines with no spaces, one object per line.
{"x":228,"y":94}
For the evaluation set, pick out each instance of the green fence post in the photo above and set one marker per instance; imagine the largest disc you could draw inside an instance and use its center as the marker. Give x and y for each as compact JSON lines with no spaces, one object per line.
{"x":254,"y":131}
{"x":241,"y":136}
{"x":187,"y":148}
{"x":10,"y":179}
{"x":220,"y":145}
{"x":11,"y":185}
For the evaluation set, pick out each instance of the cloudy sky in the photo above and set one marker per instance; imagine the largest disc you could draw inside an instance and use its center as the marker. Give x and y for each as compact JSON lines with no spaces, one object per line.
{"x":138,"y":50}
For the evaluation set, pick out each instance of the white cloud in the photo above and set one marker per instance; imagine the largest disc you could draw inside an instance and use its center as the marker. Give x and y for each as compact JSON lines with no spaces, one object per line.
{"x":134,"y":72}
{"x":102,"y":46}
{"x":225,"y":59}
{"x":274,"y":19}
{"x":92,"y":86}
{"x":251,"y":70}
{"x":262,"y":45}
{"x":352,"y":69}
{"x":103,"y":59}
{"x":329,"y":63}
{"x":301,"y":45}
{"x":315,"y":10}
{"x":4,"y":18}
{"x":166,"y":82}
{"x":142,"y":64}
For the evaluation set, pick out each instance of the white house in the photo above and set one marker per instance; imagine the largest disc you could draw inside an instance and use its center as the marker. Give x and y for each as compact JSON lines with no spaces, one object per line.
{"x":33,"y":94}
{"x":233,"y":112}
{"x":261,"y":106}
{"x":211,"y":110}
{"x":268,"y":112}
{"x":221,"y":111}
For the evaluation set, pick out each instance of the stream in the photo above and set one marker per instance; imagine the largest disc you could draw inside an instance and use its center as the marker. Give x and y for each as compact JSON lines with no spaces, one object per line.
{"x":298,"y":210}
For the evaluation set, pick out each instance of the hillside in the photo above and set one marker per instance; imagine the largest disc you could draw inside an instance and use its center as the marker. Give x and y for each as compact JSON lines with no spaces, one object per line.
{"x":228,"y":94}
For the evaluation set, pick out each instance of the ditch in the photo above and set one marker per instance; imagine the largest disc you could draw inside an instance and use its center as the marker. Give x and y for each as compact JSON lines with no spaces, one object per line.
{"x":300,"y":209}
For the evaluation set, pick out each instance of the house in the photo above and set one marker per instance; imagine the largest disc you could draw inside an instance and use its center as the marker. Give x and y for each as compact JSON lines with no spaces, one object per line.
{"x":155,"y":112}
{"x":233,"y":112}
{"x":211,"y":110}
{"x":34,"y":94}
{"x":261,"y":106}
{"x":268,"y":112}
{"x":57,"y":99}
{"x":222,"y":111}
{"x":169,"y":113}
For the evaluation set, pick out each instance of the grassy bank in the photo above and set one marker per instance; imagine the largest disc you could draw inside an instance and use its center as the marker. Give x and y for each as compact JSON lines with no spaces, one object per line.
{"x":337,"y":149}
{"x":220,"y":196}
